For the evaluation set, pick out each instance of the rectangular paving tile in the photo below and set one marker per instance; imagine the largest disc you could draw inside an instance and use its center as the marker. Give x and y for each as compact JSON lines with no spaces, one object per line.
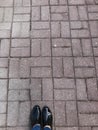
{"x":3,"y":90}
{"x":64,"y":94}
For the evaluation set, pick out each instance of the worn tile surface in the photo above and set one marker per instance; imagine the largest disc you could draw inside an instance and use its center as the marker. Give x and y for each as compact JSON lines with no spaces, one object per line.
{"x":49,"y":56}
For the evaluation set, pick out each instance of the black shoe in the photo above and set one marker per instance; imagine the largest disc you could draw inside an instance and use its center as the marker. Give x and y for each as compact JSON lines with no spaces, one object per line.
{"x":47,"y":117}
{"x":35,"y":116}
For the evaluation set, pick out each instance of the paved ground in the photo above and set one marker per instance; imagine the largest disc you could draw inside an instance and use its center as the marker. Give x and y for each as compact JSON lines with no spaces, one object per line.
{"x":49,"y":56}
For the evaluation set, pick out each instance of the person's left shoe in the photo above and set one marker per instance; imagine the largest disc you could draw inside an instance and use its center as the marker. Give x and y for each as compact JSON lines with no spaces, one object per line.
{"x":47,"y":117}
{"x":35,"y":116}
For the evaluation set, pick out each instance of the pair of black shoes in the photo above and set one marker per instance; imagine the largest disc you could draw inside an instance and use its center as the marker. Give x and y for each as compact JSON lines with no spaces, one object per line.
{"x":43,"y":118}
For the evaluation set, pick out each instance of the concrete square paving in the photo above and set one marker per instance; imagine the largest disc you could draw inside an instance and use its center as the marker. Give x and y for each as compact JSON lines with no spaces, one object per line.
{"x":49,"y":56}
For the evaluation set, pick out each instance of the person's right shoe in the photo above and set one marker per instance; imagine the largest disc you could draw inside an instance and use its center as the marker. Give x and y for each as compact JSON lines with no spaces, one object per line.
{"x":35,"y":116}
{"x":47,"y":117}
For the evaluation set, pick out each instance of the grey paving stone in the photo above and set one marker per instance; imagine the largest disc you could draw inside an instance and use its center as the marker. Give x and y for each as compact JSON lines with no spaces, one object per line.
{"x":17,"y":3}
{"x":5,"y":28}
{"x":3,"y":72}
{"x":59,"y":16}
{"x":93,"y":28}
{"x":36,"y":48}
{"x":41,"y":2}
{"x":71,"y":112}
{"x":35,"y":13}
{"x":13,"y":68}
{"x":85,"y":72}
{"x":45,"y":13}
{"x":6,"y":3}
{"x":2,"y":120}
{"x":4,"y":47}
{"x":57,"y":67}
{"x":3,"y":128}
{"x":20,"y":52}
{"x":19,"y":84}
{"x":81,"y":89}
{"x":21,"y":10}
{"x":3,"y":90}
{"x":21,"y":3}
{"x":3,"y":106}
{"x":85,"y":128}
{"x":41,"y":72}
{"x":21,"y":17}
{"x":95,"y":51}
{"x":18,"y":95}
{"x":96,"y":62}
{"x":84,"y":62}
{"x":64,"y":83}
{"x":17,"y":128}
{"x":26,"y":3}
{"x":60,"y":51}
{"x":61,"y":42}
{"x":3,"y":62}
{"x":25,"y":68}
{"x":65,"y":30}
{"x":76,"y":2}
{"x":40,"y":61}
{"x":54,"y":2}
{"x":20,"y":29}
{"x":55,"y":29}
{"x":40,"y":25}
{"x":88,"y":107}
{"x":90,"y":1}
{"x":95,"y":128}
{"x":76,"y":47}
{"x":87,"y":47}
{"x":36,"y":89}
{"x":73,"y":13}
{"x":24,"y":111}
{"x":8,"y":14}
{"x":40,"y":33}
{"x":92,"y":89}
{"x":88,"y":119}
{"x":67,"y":128}
{"x":84,"y":33}
{"x":63,"y":2}
{"x":59,"y":9}
{"x":47,"y":86}
{"x":82,"y":13}
{"x":16,"y":43}
{"x":64,"y":94}
{"x":96,"y":1}
{"x":95,"y":42}
{"x":60,"y":114}
{"x":68,"y":67}
{"x":45,"y":47}
{"x":1,"y":14}
{"x":12,"y":114}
